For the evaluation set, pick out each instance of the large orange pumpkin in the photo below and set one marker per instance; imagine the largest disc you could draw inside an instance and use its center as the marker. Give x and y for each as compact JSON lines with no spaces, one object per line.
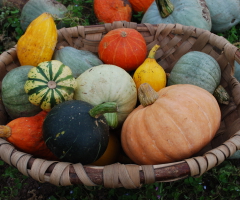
{"x":182,"y":120}
{"x":123,"y":47}
{"x":108,"y":11}
{"x":140,"y":5}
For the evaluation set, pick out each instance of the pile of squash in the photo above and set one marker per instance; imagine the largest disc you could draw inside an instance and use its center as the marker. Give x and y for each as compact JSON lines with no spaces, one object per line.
{"x":74,"y":106}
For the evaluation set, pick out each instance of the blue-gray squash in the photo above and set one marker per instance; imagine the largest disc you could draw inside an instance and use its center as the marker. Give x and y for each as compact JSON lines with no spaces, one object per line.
{"x":224,"y":14}
{"x":78,"y":60}
{"x":186,"y":12}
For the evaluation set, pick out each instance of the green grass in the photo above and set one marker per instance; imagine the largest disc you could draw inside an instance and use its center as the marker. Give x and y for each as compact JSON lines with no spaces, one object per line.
{"x":219,"y":183}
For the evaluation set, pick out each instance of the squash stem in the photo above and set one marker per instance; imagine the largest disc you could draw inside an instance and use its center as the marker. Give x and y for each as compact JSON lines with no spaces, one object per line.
{"x":153,"y":51}
{"x":107,"y":107}
{"x":5,"y":131}
{"x":146,"y":94}
{"x":165,"y":7}
{"x":112,"y":119}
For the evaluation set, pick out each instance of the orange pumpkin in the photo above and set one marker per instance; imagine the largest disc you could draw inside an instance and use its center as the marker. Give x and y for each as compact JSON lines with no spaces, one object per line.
{"x":177,"y":122}
{"x":140,"y":5}
{"x":123,"y":47}
{"x":25,"y":133}
{"x":108,"y":11}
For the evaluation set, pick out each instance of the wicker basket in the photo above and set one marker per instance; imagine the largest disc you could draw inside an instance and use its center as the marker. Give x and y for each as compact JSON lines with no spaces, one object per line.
{"x":175,"y":40}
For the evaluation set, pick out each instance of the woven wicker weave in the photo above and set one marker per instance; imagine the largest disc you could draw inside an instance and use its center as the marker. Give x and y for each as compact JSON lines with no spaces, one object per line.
{"x":175,"y":40}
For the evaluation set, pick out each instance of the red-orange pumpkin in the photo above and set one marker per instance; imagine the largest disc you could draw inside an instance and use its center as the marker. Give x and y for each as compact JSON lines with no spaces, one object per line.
{"x":182,"y":120}
{"x":140,"y":5}
{"x":123,"y":47}
{"x":25,"y":133}
{"x":108,"y":11}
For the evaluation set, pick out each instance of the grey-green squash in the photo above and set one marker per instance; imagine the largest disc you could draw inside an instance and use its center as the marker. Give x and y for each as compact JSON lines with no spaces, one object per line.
{"x":14,"y":97}
{"x":75,"y":131}
{"x":78,"y":60}
{"x":224,"y":14}
{"x":108,"y":83}
{"x":196,"y":68}
{"x":33,"y":8}
{"x":186,"y":12}
{"x":49,"y":84}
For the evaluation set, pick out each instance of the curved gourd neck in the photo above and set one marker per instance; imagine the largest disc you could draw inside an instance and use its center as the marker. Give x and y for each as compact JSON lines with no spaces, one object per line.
{"x":165,"y":7}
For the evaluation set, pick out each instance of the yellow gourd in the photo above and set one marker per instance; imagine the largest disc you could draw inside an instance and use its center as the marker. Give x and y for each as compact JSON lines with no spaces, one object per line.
{"x":150,"y":72}
{"x":38,"y":42}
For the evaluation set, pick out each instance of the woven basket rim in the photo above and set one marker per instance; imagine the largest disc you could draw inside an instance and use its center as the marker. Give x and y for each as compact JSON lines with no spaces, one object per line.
{"x":121,"y":175}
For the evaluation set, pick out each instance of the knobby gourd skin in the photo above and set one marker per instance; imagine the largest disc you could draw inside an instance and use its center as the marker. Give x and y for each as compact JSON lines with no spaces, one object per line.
{"x":108,"y":83}
{"x":14,"y":97}
{"x":123,"y":47}
{"x":49,"y":84}
{"x":38,"y":42}
{"x":25,"y":133}
{"x":115,"y":10}
{"x":186,"y":12}
{"x":177,"y":125}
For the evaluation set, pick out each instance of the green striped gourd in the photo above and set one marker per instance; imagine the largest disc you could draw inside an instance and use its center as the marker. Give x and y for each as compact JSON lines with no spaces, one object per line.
{"x":49,"y":84}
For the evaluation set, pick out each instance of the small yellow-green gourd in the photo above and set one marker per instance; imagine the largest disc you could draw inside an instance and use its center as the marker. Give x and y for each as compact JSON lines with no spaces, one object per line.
{"x":150,"y":72}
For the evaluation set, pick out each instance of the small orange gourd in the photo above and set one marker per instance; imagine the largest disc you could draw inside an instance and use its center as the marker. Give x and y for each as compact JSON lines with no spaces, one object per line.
{"x":25,"y":133}
{"x":123,"y":47}
{"x":141,"y":5}
{"x":150,"y":72}
{"x":108,"y":11}
{"x":38,"y":42}
{"x":171,"y":125}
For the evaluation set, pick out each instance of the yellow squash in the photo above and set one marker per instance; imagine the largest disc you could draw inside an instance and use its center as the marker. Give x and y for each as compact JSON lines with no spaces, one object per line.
{"x":38,"y":42}
{"x":150,"y":72}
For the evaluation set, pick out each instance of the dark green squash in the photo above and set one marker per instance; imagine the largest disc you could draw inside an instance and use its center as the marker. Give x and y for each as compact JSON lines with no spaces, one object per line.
{"x":73,"y":135}
{"x":14,"y":97}
{"x":33,"y":8}
{"x":78,"y":60}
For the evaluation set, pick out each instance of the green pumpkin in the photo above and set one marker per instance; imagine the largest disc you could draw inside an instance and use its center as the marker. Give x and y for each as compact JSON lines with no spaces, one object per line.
{"x":186,"y":12}
{"x":224,"y":14}
{"x":196,"y":68}
{"x":14,"y":97}
{"x":108,"y":83}
{"x":49,"y":84}
{"x":78,"y":60}
{"x":73,"y":135}
{"x":33,"y":8}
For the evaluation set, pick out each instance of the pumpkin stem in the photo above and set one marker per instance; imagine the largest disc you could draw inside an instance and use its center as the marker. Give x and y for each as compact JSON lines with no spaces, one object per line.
{"x":5,"y":131}
{"x":146,"y":94}
{"x":106,"y":107}
{"x":153,"y":51}
{"x":112,"y":119}
{"x":165,"y":7}
{"x":221,"y":95}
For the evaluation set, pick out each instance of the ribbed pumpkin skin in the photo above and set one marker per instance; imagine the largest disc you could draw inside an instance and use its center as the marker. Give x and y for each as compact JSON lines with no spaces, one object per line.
{"x":224,"y":14}
{"x":196,"y":68}
{"x":34,"y":8}
{"x":38,"y":42}
{"x":186,"y":12}
{"x":108,"y":11}
{"x":107,"y":83}
{"x":73,"y":135}
{"x":179,"y":124}
{"x":27,"y":135}
{"x":14,"y":97}
{"x":124,"y":47}
{"x":141,"y":5}
{"x":49,"y":84}
{"x":78,"y":60}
